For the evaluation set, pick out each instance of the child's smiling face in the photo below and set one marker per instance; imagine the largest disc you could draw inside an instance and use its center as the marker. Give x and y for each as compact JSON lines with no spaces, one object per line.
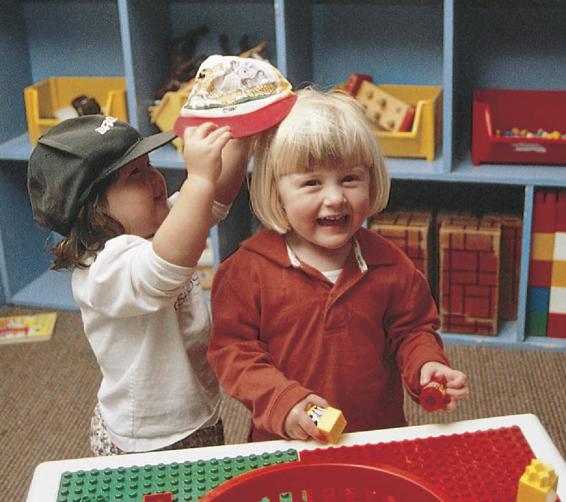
{"x":138,"y":198}
{"x":325,"y":207}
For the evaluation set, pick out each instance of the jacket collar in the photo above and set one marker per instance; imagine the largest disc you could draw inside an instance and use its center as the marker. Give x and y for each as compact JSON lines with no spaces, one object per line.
{"x":371,"y":248}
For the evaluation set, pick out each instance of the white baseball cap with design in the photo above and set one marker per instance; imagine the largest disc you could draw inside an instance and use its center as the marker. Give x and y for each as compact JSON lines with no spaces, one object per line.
{"x":248,"y":94}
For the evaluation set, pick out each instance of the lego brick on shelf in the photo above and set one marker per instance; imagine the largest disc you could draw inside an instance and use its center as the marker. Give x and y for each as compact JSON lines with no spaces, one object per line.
{"x":543,"y":232}
{"x":43,"y":99}
{"x":537,"y":311}
{"x":469,"y":277}
{"x":557,"y":302}
{"x":498,"y":113}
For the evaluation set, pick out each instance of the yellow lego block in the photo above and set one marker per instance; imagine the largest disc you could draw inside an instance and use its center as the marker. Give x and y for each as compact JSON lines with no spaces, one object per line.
{"x":330,"y":421}
{"x":384,"y":110}
{"x":542,"y":246}
{"x":538,"y":483}
{"x":558,"y":278}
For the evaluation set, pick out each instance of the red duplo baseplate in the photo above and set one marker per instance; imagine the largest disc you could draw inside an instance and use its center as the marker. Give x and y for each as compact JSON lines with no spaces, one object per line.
{"x":470,"y":467}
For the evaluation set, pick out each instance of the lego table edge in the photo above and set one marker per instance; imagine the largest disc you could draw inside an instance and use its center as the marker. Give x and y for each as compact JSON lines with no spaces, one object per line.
{"x":45,"y":483}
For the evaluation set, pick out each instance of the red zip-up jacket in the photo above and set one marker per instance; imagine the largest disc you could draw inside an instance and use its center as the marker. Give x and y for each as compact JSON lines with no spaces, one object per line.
{"x":281,"y":332}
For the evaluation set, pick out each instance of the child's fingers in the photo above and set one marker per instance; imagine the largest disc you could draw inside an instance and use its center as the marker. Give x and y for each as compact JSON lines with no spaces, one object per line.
{"x":298,"y":433}
{"x":313,"y":399}
{"x":460,"y":393}
{"x":456,"y":379}
{"x":311,"y":430}
{"x":221,"y":135}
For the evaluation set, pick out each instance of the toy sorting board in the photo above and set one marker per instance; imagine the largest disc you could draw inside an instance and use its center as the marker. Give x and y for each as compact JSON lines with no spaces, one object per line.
{"x":483,"y":465}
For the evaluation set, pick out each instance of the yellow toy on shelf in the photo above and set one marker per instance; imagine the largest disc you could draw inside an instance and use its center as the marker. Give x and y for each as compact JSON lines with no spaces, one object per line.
{"x":330,"y":421}
{"x":45,"y":98}
{"x":424,"y":136}
{"x":538,"y":483}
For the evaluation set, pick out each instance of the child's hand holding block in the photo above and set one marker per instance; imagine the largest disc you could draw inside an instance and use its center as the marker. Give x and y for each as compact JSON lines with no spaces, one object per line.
{"x":330,"y":421}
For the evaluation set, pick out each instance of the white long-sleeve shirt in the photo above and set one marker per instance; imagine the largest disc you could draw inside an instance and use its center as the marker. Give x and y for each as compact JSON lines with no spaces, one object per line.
{"x":148,"y":324}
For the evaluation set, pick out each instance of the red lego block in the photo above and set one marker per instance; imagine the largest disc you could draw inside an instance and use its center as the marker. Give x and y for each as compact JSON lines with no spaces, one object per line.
{"x":544,"y":211}
{"x":540,"y":273}
{"x":561,"y":212}
{"x":433,"y":396}
{"x":483,"y":465}
{"x":556,"y":327}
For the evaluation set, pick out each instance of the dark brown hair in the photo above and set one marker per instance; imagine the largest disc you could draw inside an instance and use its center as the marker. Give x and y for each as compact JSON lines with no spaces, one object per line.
{"x":93,"y":226}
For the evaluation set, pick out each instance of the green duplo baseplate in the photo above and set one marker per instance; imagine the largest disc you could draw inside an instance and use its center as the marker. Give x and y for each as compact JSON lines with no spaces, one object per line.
{"x":187,"y":481}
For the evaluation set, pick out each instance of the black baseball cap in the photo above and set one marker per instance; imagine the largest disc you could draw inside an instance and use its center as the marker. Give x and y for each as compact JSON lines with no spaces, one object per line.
{"x":75,"y":155}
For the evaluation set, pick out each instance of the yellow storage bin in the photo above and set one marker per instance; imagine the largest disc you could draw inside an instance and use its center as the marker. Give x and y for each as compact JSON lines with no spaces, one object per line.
{"x":43,"y":99}
{"x":426,"y":134}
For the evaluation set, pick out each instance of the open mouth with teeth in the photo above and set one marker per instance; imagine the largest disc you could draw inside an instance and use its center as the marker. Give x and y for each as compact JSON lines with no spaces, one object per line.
{"x":332,"y":221}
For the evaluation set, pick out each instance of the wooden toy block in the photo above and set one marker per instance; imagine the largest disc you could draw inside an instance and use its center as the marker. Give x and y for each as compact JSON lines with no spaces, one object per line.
{"x":469,"y":276}
{"x":330,"y":421}
{"x":352,"y":85}
{"x":538,"y":483}
{"x":511,"y":237}
{"x":411,"y":231}
{"x":383,"y":110}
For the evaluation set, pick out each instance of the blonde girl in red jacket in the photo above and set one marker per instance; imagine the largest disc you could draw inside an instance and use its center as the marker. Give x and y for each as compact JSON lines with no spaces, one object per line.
{"x":315,"y":309}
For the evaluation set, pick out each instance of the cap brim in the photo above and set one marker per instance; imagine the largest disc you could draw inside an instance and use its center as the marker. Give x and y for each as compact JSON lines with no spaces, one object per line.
{"x":147,"y":145}
{"x":246,"y":124}
{"x":142,"y":147}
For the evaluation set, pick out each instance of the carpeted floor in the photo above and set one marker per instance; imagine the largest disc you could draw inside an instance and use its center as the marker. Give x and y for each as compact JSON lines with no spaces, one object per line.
{"x":48,"y":391}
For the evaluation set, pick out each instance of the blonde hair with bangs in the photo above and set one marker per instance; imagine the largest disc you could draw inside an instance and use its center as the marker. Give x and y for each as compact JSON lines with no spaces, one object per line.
{"x":322,"y":129}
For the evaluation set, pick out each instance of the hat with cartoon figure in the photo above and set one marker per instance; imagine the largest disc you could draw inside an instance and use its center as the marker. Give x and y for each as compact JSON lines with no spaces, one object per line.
{"x":249,"y":95}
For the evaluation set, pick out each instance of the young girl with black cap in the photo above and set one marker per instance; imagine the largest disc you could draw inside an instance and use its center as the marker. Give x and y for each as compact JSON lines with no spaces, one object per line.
{"x":134,"y":252}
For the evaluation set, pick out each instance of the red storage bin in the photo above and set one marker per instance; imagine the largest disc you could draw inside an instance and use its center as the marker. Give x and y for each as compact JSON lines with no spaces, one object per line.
{"x":296,"y":482}
{"x":505,"y":109}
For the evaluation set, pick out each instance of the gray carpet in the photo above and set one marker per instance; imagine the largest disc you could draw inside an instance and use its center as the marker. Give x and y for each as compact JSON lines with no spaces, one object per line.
{"x":48,"y":391}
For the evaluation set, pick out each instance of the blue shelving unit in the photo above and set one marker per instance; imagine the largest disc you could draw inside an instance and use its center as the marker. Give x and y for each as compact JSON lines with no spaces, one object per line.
{"x":460,"y":46}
